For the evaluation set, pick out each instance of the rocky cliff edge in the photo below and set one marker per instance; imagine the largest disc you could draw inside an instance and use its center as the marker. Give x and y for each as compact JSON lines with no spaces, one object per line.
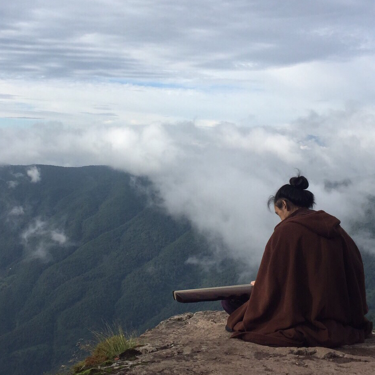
{"x":198,"y":344}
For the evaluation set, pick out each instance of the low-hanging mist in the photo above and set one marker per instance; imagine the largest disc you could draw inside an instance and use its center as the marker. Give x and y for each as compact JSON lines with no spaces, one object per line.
{"x":220,"y":177}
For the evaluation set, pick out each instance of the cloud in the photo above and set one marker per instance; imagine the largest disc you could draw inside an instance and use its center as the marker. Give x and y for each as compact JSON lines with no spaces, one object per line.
{"x":58,"y":237}
{"x":17,"y":211}
{"x":36,"y":228}
{"x":12,"y":184}
{"x":365,"y":240}
{"x":220,"y":177}
{"x":14,"y":216}
{"x":151,"y":41}
{"x":146,"y":62}
{"x":34,"y":174}
{"x":207,"y":61}
{"x":332,"y":185}
{"x":40,"y":238}
{"x":200,"y":97}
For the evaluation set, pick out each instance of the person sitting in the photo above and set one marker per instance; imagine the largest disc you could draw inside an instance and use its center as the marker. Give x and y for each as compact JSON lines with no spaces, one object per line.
{"x":310,"y":287}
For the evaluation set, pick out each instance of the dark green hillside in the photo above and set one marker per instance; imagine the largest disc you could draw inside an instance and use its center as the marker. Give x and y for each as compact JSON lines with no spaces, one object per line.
{"x":80,"y":248}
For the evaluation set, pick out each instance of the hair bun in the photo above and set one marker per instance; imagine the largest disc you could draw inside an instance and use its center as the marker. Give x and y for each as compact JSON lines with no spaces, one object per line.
{"x":299,"y":182}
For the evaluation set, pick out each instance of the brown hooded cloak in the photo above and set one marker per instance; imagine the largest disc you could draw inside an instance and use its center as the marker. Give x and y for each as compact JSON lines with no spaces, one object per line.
{"x":310,"y":287}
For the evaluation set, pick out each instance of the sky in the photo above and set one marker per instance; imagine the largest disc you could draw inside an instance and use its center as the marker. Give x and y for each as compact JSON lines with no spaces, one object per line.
{"x":139,"y":62}
{"x":217,"y":102}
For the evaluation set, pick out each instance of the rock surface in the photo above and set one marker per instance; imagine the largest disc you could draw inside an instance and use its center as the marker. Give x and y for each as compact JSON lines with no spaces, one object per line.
{"x":198,"y":344}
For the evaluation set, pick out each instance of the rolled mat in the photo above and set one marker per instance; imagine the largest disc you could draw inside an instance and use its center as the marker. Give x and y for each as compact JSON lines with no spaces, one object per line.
{"x":212,"y":294}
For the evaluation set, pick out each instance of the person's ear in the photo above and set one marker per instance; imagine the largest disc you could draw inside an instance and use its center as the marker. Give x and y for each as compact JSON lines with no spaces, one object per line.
{"x":284,"y":205}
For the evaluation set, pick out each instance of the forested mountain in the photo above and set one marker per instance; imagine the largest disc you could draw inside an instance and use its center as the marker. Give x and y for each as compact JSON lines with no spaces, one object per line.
{"x":81,"y":247}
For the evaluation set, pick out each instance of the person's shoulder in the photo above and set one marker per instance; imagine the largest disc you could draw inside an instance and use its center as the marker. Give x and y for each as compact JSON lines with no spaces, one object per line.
{"x":286,"y":225}
{"x":295,"y":225}
{"x":310,"y":222}
{"x":287,"y":229}
{"x":285,"y":238}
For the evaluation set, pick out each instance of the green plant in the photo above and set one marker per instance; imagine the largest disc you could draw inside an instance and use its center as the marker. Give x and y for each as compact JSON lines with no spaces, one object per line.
{"x":108,"y":345}
{"x":112,"y":342}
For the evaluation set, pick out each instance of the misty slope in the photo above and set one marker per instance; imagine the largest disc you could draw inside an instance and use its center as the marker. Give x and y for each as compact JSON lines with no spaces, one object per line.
{"x":82,"y":247}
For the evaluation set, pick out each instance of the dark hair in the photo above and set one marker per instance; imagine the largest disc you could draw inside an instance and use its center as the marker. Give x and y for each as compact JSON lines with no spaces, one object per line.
{"x":294,"y":192}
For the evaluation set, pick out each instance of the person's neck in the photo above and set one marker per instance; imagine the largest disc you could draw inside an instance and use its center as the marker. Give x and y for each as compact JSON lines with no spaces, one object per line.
{"x":292,"y":210}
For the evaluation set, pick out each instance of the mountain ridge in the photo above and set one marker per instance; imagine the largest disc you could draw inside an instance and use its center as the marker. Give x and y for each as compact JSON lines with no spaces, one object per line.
{"x":113,"y":246}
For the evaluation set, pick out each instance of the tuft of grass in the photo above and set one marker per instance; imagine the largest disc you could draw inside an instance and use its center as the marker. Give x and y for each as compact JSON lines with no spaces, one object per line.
{"x":78,"y":367}
{"x":107,"y":346}
{"x":112,"y":342}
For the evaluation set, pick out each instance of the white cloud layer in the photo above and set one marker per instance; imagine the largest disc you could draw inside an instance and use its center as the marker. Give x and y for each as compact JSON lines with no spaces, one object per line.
{"x":164,"y":39}
{"x":144,"y":61}
{"x":221,"y":177}
{"x":154,"y":88}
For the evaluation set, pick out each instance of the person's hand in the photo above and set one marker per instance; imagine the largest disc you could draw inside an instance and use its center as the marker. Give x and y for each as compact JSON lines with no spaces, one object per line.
{"x":252,"y":283}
